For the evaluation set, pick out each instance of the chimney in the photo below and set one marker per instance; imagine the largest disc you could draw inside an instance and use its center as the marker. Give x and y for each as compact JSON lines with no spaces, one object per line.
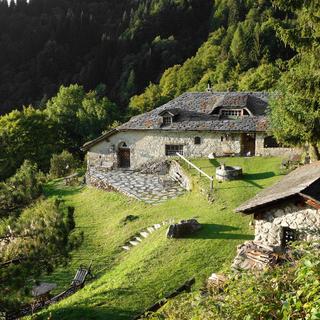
{"x":209,"y":89}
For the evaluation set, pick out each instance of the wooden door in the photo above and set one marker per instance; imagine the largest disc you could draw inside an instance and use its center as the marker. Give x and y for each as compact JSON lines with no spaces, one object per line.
{"x":124,"y":158}
{"x":248,"y":144}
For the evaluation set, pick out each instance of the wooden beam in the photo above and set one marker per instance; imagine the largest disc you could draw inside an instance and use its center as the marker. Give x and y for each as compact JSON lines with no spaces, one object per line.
{"x":310,"y":201}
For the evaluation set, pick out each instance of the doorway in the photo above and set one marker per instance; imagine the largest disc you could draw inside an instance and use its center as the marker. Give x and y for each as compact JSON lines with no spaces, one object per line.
{"x":248,"y":144}
{"x":124,"y":157}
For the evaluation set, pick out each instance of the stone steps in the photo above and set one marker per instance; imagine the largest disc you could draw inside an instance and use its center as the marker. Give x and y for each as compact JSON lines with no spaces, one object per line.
{"x":143,"y":234}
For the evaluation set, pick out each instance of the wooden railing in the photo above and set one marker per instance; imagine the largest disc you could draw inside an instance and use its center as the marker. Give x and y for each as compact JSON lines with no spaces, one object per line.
{"x":201,"y":172}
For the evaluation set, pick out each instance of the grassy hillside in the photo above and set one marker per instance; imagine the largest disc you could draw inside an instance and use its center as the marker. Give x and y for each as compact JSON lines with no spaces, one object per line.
{"x":128,"y":282}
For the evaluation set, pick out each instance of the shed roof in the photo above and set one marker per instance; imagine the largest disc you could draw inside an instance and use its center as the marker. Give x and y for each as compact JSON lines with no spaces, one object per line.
{"x":302,"y":181}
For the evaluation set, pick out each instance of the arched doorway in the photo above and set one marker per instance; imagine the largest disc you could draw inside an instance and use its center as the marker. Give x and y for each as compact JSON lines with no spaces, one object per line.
{"x":123,"y":155}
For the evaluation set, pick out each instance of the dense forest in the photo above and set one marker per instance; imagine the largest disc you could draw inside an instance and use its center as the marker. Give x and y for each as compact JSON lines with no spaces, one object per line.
{"x":121,"y":44}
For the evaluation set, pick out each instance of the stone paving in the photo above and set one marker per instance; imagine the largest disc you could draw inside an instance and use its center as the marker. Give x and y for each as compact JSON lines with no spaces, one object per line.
{"x":145,"y":187}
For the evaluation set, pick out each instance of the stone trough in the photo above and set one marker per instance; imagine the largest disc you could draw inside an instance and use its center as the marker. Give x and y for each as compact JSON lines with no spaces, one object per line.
{"x":228,"y":173}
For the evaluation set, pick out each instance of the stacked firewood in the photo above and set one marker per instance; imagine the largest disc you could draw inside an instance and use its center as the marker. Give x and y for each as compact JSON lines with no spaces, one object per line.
{"x":253,"y":255}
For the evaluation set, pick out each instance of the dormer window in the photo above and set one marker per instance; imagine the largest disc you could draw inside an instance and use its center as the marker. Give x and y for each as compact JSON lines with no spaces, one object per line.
{"x":167,"y":120}
{"x":231,"y":112}
{"x":169,"y":116}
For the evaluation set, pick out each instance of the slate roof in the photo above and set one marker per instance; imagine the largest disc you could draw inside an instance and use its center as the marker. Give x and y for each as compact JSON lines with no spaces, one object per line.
{"x":304,"y":181}
{"x":194,"y":111}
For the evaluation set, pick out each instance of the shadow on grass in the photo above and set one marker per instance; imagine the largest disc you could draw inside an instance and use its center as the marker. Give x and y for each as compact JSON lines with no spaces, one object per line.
{"x":251,"y":177}
{"x":258,"y":176}
{"x":86,"y":313}
{"x":214,"y":162}
{"x":58,"y":189}
{"x":218,"y":231}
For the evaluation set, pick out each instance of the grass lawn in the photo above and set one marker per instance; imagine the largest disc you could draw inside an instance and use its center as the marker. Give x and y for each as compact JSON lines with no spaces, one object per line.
{"x":129,"y":282}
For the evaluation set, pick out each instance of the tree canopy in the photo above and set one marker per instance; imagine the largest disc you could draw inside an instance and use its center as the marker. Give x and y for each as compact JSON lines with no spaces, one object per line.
{"x":295,"y":110}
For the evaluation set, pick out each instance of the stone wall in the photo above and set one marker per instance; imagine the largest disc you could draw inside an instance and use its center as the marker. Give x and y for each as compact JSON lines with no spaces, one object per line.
{"x":178,"y":174}
{"x":273,"y":152}
{"x":147,"y":146}
{"x":305,"y":220}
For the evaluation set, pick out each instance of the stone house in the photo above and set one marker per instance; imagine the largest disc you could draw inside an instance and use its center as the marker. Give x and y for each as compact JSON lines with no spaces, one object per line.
{"x":195,"y":125}
{"x":288,"y":210}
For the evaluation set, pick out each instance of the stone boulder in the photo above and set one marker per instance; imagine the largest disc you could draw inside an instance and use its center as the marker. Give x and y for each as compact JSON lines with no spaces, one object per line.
{"x":183,"y":229}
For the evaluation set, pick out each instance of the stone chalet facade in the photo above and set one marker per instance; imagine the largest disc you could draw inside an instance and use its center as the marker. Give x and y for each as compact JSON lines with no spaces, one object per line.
{"x":288,"y":210}
{"x":195,"y":125}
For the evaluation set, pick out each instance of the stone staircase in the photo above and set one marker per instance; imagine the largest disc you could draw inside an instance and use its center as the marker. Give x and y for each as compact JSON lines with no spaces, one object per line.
{"x":145,"y":233}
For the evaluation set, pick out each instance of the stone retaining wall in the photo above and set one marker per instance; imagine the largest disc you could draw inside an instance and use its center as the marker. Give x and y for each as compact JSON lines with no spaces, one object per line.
{"x":305,"y":220}
{"x":273,"y":152}
{"x":177,"y":173}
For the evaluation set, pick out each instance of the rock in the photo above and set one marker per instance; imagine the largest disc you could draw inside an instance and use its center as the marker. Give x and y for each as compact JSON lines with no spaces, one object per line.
{"x":126,"y":248}
{"x":138,"y":239}
{"x":150,"y":229}
{"x":183,"y":229}
{"x":134,"y":243}
{"x":157,"y":226}
{"x":144,"y":234}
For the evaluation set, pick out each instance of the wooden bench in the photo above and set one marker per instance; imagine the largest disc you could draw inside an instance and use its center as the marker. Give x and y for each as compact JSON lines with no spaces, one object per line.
{"x":80,"y":277}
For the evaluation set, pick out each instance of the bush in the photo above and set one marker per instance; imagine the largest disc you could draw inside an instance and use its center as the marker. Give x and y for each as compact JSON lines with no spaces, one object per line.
{"x":21,"y":189}
{"x":62,"y":164}
{"x":38,"y":241}
{"x":70,"y":223}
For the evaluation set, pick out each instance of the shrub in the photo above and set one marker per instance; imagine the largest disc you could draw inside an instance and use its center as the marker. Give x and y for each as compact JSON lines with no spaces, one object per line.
{"x":70,"y":219}
{"x":37,"y":242}
{"x":62,"y":164}
{"x":21,"y":189}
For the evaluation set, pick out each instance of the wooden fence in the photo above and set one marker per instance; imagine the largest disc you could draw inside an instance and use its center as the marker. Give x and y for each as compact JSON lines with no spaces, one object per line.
{"x":201,"y":172}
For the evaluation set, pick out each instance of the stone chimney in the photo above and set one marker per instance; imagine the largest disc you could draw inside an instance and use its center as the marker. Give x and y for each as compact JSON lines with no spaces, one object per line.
{"x":209,"y":88}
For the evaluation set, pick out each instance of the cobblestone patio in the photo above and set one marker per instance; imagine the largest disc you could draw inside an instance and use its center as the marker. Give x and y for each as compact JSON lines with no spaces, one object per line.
{"x":145,"y":187}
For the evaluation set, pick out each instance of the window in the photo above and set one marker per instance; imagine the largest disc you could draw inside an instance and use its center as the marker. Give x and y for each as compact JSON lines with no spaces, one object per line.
{"x":197,"y":140}
{"x":288,"y":235}
{"x":270,"y":142}
{"x":167,"y":120}
{"x":172,"y":149}
{"x":231,"y":113}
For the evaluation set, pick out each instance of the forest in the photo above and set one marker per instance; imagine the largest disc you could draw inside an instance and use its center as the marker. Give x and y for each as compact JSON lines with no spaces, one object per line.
{"x":121,"y":44}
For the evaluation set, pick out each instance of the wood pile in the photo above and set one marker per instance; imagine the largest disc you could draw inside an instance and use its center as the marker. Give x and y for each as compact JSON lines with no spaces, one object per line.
{"x":253,"y":255}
